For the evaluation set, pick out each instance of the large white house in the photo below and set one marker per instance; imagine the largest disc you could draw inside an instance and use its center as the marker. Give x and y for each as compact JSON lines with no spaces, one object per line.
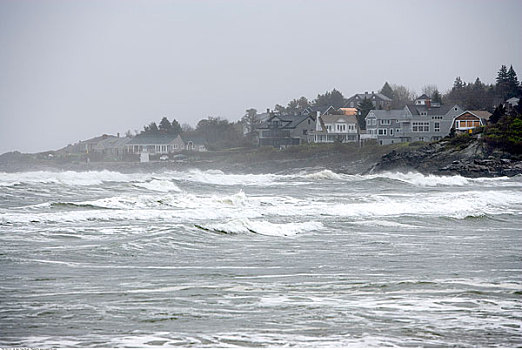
{"x":336,"y":128}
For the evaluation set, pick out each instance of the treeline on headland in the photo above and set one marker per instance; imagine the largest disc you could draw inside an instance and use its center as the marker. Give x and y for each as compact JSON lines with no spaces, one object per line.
{"x":218,"y":133}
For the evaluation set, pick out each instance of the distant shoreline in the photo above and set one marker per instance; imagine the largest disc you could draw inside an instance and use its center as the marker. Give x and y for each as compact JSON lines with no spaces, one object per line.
{"x":441,"y":158}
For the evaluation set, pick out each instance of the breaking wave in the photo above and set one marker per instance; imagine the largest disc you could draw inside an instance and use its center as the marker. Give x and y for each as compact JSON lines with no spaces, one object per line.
{"x":243,"y":226}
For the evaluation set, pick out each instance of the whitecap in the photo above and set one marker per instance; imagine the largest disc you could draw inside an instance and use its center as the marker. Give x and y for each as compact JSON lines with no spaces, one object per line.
{"x":244,"y":226}
{"x":159,"y":186}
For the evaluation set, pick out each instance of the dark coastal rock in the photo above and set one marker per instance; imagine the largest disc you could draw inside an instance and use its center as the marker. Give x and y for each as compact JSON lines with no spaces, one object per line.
{"x":472,"y":159}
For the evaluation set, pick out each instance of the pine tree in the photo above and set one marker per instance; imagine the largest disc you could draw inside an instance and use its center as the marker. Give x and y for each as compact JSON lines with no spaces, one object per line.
{"x":436,"y":97}
{"x":497,"y":114}
{"x":512,"y":83}
{"x":164,"y":125}
{"x":387,"y":91}
{"x":502,"y":82}
{"x":364,"y":108}
{"x":175,"y":128}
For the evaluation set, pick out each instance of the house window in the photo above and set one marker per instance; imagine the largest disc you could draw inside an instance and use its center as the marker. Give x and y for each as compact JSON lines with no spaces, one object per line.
{"x":420,"y":127}
{"x":385,"y":122}
{"x":397,"y":130}
{"x":436,"y":126}
{"x":382,"y":131}
{"x":391,"y":131}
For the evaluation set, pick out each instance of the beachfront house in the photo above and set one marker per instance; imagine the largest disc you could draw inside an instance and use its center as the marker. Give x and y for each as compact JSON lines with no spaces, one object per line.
{"x":469,"y":120}
{"x":336,"y":128}
{"x":155,"y":144}
{"x":282,"y":131}
{"x":420,"y":121}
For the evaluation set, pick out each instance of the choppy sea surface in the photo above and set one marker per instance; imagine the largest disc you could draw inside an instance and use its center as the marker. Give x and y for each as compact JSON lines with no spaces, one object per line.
{"x":205,"y":258}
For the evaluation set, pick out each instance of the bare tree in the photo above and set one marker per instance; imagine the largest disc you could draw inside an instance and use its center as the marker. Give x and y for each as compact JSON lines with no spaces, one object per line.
{"x":429,"y":90}
{"x":402,"y":96}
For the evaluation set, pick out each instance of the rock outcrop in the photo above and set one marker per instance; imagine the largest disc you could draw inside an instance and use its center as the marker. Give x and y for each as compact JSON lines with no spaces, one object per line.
{"x":466,"y":157}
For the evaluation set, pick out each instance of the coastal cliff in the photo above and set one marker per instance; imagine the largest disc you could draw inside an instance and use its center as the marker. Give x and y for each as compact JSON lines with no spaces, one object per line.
{"x":466,"y":155}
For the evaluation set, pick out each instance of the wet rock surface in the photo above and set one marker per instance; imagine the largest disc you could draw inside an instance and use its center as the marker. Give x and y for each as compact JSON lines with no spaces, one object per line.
{"x":472,"y":159}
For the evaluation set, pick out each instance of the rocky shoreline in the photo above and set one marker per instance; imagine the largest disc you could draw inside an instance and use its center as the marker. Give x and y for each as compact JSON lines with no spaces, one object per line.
{"x":471,"y":159}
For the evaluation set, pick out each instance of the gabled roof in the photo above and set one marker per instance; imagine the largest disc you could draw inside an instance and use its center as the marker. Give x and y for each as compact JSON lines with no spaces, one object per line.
{"x":333,"y":118}
{"x":417,"y":110}
{"x":287,"y":121}
{"x":369,"y":96}
{"x":160,"y":139}
{"x":112,"y":142}
{"x":479,"y":114}
{"x":322,"y":109}
{"x":391,"y":114}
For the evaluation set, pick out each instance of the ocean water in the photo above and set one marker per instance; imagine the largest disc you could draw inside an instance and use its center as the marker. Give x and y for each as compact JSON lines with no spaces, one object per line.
{"x":209,"y":259}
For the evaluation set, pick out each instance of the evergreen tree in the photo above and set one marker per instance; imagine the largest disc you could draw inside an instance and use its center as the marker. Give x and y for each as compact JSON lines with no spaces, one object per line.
{"x":175,"y":128}
{"x":250,"y":123}
{"x":512,"y":83}
{"x":502,"y":82}
{"x":497,"y":114}
{"x":303,"y":103}
{"x":457,"y":85}
{"x":364,"y":108}
{"x":151,"y":129}
{"x":164,"y":125}
{"x":334,"y":98}
{"x":387,"y":91}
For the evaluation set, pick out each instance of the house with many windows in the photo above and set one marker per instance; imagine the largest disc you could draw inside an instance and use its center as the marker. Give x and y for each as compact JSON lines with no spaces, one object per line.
{"x":336,"y":128}
{"x":155,"y":144}
{"x":420,"y":121}
{"x":282,"y":131}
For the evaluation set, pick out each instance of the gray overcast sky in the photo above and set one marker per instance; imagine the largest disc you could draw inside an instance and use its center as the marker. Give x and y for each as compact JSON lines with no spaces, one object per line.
{"x":71,"y":70}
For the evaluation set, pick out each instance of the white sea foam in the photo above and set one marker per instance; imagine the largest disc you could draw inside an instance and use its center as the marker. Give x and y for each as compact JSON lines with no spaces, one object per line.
{"x":70,"y":178}
{"x":323,"y":175}
{"x":418,"y":179}
{"x":159,"y":185}
{"x":217,"y":177}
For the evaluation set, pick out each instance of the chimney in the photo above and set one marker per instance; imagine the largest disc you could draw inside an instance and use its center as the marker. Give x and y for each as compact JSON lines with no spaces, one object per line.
{"x":268,"y":110}
{"x":118,"y":135}
{"x":366,"y":92}
{"x":373,"y":93}
{"x":318,"y":122}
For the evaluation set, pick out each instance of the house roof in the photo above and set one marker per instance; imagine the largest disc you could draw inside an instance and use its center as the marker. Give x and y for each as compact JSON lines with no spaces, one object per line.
{"x":287,"y":121}
{"x":480,"y":114}
{"x":442,"y":110}
{"x":112,"y":142}
{"x":369,"y":96}
{"x":423,"y":97}
{"x":335,"y":118}
{"x":349,"y":110}
{"x":160,"y":139}
{"x":391,"y":114}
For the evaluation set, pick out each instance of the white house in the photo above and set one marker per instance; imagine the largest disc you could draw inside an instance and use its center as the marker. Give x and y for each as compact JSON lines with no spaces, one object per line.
{"x":336,"y":128}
